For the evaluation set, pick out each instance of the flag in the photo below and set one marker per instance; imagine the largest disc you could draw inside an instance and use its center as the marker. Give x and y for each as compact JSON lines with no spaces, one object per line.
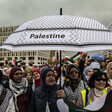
{"x":77,"y":56}
{"x":104,"y":103}
{"x":17,"y":60}
{"x":67,"y":61}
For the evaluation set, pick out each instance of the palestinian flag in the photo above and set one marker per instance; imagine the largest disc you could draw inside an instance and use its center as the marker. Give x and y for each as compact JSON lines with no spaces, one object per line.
{"x":103,"y":104}
{"x":17,"y":60}
{"x":77,"y":56}
{"x":67,"y":61}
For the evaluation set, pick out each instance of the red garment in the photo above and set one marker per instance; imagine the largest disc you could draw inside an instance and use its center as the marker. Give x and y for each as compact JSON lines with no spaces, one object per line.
{"x":12,"y":72}
{"x":36,"y":70}
{"x":58,"y":71}
{"x":23,"y":102}
{"x":38,"y":83}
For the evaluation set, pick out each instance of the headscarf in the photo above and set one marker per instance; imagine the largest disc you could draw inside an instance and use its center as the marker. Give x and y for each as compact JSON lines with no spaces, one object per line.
{"x":36,"y":70}
{"x":94,"y":65}
{"x":43,"y":77}
{"x":71,"y":82}
{"x":12,"y":72}
{"x":39,"y":81}
{"x":58,"y":71}
{"x":86,"y":69}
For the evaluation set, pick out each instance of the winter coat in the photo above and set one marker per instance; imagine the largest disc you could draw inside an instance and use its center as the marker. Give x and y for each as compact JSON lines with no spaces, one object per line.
{"x":41,"y":97}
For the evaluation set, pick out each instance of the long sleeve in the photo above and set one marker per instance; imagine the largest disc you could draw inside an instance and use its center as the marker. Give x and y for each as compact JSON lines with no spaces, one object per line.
{"x":11,"y":107}
{"x":32,"y":106}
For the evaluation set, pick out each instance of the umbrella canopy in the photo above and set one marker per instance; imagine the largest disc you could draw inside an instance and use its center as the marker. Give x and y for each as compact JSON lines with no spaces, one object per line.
{"x":98,"y":57}
{"x":60,"y":32}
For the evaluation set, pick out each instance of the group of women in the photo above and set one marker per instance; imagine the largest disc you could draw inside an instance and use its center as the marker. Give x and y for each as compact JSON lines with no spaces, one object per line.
{"x":41,"y":93}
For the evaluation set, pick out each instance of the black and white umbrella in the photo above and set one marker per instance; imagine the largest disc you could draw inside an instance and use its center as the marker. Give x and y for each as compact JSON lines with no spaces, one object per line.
{"x":62,"y":32}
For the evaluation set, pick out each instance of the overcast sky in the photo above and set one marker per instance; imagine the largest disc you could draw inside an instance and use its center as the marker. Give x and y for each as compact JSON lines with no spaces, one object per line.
{"x":16,"y":12}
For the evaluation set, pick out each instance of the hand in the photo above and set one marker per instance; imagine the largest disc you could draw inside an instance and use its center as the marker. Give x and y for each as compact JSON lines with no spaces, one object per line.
{"x":109,"y":88}
{"x":61,"y":94}
{"x":73,"y":101}
{"x":84,"y":54}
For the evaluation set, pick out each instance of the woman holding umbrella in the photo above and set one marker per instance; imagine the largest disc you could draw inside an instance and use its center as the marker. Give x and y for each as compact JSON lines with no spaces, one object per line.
{"x":44,"y":98}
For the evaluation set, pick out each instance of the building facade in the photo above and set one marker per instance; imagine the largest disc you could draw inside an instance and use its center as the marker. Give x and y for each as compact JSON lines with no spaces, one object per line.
{"x":38,"y":57}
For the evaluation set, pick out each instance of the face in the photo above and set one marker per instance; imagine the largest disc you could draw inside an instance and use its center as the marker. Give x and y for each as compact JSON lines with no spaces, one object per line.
{"x":55,"y":72}
{"x":74,"y":73}
{"x":36,"y":75}
{"x":50,"y":78}
{"x":28,"y":76}
{"x":18,"y":76}
{"x":100,"y":83}
{"x":103,"y":64}
{"x":90,"y":72}
{"x":109,"y":65}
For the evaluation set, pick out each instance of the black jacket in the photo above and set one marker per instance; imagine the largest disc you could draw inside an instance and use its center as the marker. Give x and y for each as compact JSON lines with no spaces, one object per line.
{"x":40,"y":98}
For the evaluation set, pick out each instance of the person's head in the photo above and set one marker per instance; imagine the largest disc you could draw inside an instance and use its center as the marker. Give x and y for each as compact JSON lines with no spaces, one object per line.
{"x":46,"y":66}
{"x":98,"y":80}
{"x":103,"y":63}
{"x":16,"y":74}
{"x":48,"y":77}
{"x":88,"y":71}
{"x":109,"y":70}
{"x":57,"y":71}
{"x":28,"y":76}
{"x":36,"y":74}
{"x":95,"y":65}
{"x":73,"y":71}
{"x":87,"y":62}
{"x":107,"y":60}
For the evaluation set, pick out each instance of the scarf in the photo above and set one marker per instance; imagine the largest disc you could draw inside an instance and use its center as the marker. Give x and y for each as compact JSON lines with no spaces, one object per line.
{"x":74,"y":83}
{"x":38,"y":83}
{"x":18,"y":88}
{"x":6,"y":100}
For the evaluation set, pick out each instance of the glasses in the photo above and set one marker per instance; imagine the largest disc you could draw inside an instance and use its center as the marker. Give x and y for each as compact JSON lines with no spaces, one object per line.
{"x":18,"y":73}
{"x":103,"y":79}
{"x":49,"y":75}
{"x":74,"y":72}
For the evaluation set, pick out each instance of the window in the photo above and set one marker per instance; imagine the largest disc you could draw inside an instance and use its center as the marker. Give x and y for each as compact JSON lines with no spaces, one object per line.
{"x":38,"y":58}
{"x":1,"y":58}
{"x":24,"y":58}
{"x":31,"y":58}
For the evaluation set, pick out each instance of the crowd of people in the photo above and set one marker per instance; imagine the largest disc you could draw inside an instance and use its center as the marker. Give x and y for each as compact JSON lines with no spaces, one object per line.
{"x":32,"y":89}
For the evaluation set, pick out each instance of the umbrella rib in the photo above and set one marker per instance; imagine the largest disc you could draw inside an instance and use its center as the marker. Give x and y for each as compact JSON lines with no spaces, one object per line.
{"x":63,"y":28}
{"x":59,"y":44}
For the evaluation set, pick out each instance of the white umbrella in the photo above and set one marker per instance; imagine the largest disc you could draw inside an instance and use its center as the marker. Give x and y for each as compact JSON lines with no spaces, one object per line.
{"x":62,"y":32}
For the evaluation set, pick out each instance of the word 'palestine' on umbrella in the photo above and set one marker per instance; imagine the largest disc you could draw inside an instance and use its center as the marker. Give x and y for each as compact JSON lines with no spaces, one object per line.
{"x":47,"y":36}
